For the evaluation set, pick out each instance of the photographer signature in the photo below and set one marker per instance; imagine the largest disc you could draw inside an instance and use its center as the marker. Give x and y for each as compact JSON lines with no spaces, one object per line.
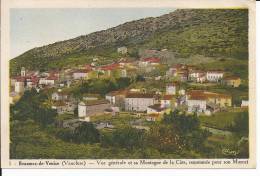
{"x":229,"y":152}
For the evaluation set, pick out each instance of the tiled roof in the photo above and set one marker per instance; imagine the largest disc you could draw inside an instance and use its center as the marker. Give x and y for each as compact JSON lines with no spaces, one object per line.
{"x":157,"y":107}
{"x":118,"y":92}
{"x":110,"y":67}
{"x":232,"y":78}
{"x":140,"y":95}
{"x":152,"y":60}
{"x":52,"y":77}
{"x":202,"y":95}
{"x":94,"y":102}
{"x":59,"y":103}
{"x":81,"y":71}
{"x":215,"y":71}
{"x":168,"y":97}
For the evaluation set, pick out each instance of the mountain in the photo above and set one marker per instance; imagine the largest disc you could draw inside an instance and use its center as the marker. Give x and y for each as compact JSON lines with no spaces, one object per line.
{"x":187,"y":32}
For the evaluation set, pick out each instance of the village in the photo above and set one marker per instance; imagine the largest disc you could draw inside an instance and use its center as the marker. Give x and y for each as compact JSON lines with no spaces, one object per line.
{"x":156,"y":89}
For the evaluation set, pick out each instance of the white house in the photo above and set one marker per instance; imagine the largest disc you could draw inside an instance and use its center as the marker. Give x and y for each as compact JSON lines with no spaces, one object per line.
{"x":245,"y":103}
{"x":214,"y":76}
{"x":170,"y":89}
{"x":122,"y":50}
{"x":57,"y":96}
{"x":80,"y":74}
{"x":91,"y":108}
{"x":82,"y":109}
{"x":139,"y":101}
{"x":196,"y":104}
{"x":19,"y":86}
{"x":48,"y":80}
{"x":111,"y":97}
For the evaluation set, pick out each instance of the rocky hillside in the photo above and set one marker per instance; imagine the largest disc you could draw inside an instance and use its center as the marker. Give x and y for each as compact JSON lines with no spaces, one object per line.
{"x":185,"y":32}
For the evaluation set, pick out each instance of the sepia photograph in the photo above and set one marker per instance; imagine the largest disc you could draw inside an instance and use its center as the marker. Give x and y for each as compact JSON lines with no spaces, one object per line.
{"x":149,"y":84}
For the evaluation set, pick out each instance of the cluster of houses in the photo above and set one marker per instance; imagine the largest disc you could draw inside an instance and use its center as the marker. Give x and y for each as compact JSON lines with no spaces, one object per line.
{"x":153,"y":104}
{"x":191,"y":73}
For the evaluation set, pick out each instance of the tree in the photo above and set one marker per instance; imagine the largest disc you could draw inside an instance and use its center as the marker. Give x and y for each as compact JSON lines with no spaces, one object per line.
{"x":139,"y":78}
{"x":241,"y":124}
{"x":123,"y":82}
{"x":165,"y":138}
{"x":86,"y":133}
{"x":128,"y":137}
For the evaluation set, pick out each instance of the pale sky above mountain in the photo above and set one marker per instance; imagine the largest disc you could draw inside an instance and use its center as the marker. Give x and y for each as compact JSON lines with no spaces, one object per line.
{"x":31,"y":28}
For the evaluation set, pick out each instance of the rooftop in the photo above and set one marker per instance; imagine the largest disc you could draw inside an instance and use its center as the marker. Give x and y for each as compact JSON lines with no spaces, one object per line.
{"x":203,"y":95}
{"x":81,"y":71}
{"x":140,"y":95}
{"x":152,"y":60}
{"x":168,"y":97}
{"x":109,"y":67}
{"x":93,"y":102}
{"x":118,"y":92}
{"x":232,"y":78}
{"x":157,"y":107}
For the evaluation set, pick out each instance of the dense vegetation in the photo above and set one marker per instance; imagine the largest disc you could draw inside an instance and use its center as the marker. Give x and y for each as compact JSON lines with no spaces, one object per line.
{"x":214,"y":33}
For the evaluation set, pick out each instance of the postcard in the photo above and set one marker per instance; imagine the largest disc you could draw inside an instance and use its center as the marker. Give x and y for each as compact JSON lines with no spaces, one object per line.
{"x":128,"y":84}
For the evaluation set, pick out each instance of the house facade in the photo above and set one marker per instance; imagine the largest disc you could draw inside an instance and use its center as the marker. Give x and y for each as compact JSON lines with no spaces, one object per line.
{"x":196,"y":104}
{"x":214,"y":76}
{"x":233,"y":81}
{"x":80,"y":74}
{"x":91,"y":108}
{"x":19,"y":86}
{"x":139,"y":101}
{"x":203,"y":101}
{"x":58,"y":96}
{"x":168,"y":101}
{"x":48,"y":80}
{"x":197,"y":76}
{"x":170,"y":89}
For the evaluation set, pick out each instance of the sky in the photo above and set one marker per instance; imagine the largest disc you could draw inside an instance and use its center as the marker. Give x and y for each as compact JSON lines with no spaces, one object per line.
{"x":31,"y":28}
